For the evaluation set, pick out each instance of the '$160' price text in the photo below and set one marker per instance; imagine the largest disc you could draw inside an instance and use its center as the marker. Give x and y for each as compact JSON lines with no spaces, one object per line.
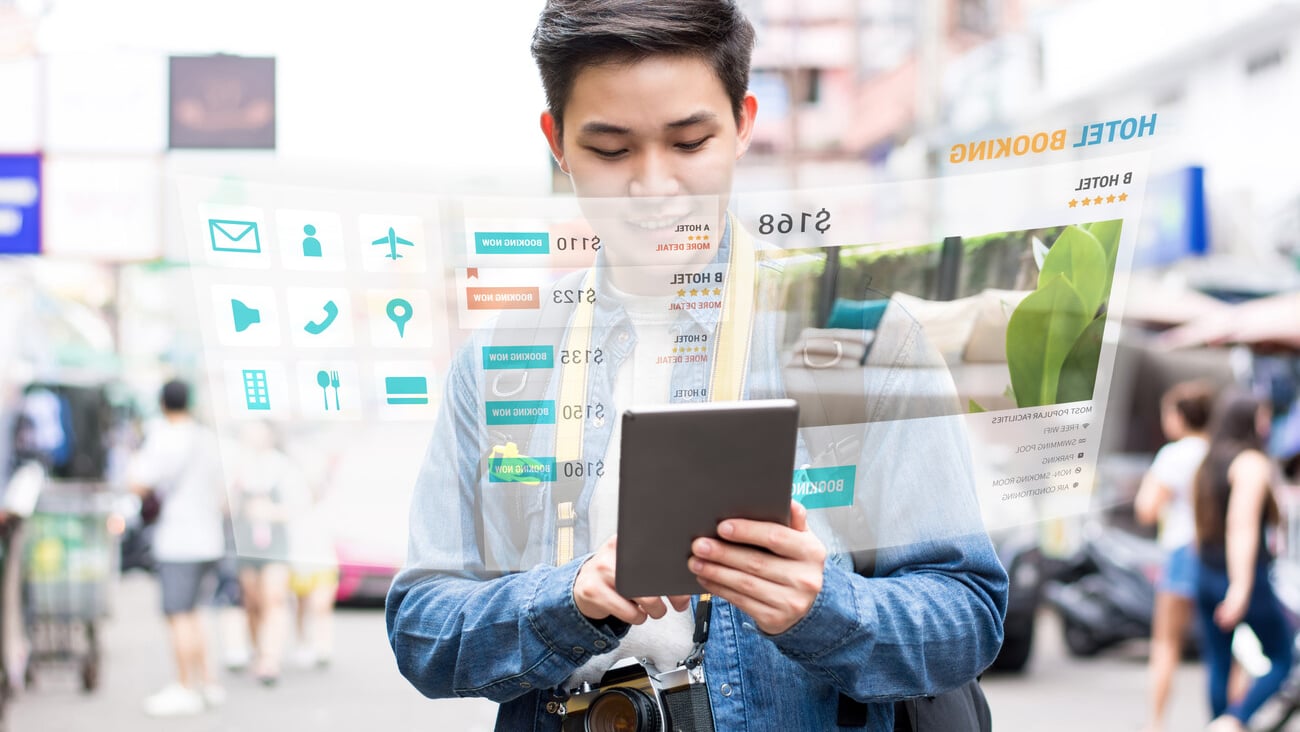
{"x":786,"y":223}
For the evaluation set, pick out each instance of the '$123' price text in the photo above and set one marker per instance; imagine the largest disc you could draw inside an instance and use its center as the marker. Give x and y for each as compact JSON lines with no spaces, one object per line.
{"x":786,"y":223}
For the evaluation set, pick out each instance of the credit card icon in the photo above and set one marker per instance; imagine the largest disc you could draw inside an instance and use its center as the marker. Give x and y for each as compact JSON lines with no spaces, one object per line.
{"x":406,"y":389}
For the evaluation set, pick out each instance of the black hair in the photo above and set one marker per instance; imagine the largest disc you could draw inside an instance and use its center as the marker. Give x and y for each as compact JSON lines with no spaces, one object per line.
{"x":1192,"y":401}
{"x":1233,"y":431}
{"x":175,"y":396}
{"x":574,"y":34}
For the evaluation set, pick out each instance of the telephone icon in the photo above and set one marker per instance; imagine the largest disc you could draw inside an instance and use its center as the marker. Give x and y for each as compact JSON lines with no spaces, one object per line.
{"x":318,"y":327}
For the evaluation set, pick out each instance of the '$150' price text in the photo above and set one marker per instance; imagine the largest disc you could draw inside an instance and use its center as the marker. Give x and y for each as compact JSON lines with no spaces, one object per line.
{"x":786,"y":223}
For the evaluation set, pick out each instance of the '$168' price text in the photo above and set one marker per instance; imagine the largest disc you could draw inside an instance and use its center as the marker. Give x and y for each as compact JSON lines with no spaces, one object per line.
{"x":786,"y":223}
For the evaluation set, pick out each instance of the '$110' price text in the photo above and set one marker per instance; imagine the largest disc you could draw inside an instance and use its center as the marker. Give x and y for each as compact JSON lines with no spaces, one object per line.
{"x":786,"y":223}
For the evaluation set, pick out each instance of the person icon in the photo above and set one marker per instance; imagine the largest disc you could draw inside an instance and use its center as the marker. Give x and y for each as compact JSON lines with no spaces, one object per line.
{"x":310,"y":245}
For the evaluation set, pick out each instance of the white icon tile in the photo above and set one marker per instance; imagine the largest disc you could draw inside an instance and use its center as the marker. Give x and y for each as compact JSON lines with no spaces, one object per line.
{"x":234,"y":236}
{"x":329,"y":389}
{"x":310,"y":241}
{"x":399,"y":318}
{"x":406,"y":390}
{"x":320,"y":317}
{"x":255,"y":389}
{"x":245,"y":316}
{"x":393,"y":244}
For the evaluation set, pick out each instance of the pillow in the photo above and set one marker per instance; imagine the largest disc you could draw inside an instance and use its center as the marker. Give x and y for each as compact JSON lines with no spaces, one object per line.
{"x":861,"y":314}
{"x":947,"y":325}
{"x":819,"y":348}
{"x":988,"y":338}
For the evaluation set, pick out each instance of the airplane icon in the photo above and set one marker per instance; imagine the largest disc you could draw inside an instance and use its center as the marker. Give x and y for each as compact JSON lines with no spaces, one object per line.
{"x":392,"y":240}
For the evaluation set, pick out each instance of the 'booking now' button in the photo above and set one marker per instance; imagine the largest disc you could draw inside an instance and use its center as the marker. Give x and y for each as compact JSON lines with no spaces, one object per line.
{"x":518,"y":357}
{"x":529,"y":412}
{"x":512,"y":242}
{"x":824,"y":487}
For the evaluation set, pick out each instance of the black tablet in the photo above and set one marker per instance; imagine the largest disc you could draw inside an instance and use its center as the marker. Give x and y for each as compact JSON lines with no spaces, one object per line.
{"x":684,"y":468}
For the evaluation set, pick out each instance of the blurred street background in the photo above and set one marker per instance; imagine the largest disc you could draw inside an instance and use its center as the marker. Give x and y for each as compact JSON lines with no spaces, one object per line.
{"x":103,"y":103}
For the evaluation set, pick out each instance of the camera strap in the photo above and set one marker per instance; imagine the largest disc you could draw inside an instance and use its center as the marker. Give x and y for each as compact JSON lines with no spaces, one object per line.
{"x":703,"y":613}
{"x":726,"y":379}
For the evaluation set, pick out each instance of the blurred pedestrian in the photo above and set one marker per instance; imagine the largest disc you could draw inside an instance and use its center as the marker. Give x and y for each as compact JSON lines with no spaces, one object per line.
{"x":1166,"y":497}
{"x":232,"y":621}
{"x":314,"y":578}
{"x":1234,"y":504}
{"x":177,"y":465}
{"x":267,"y":492}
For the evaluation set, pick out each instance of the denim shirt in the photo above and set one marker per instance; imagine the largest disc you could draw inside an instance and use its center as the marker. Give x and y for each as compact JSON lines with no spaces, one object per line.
{"x":480,"y":610}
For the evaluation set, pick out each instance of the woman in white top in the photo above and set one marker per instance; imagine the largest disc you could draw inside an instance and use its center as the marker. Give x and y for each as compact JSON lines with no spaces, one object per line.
{"x":1166,"y":496}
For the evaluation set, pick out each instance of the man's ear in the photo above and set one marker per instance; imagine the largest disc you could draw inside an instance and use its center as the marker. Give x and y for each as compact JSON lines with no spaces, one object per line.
{"x":551,"y":128}
{"x":745,"y":125}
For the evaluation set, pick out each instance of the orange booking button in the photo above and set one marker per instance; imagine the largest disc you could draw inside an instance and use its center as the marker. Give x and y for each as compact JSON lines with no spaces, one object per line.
{"x":501,"y":298}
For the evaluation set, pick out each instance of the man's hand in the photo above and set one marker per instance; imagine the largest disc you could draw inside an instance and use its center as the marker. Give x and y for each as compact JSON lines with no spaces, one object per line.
{"x":776,"y":589}
{"x":594,"y":593}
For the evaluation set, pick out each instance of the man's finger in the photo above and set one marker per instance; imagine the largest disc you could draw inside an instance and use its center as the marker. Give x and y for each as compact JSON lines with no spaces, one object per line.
{"x":622,"y":608}
{"x":653,"y":606}
{"x":679,"y":602}
{"x":735,"y":580}
{"x":798,"y":516}
{"x":747,"y":559}
{"x":780,"y":540}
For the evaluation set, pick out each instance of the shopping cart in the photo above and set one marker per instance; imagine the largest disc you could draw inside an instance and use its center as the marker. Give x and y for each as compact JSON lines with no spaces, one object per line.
{"x":69,"y":570}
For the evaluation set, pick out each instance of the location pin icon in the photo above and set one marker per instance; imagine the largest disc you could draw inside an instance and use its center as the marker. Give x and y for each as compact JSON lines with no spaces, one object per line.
{"x":399,"y":311}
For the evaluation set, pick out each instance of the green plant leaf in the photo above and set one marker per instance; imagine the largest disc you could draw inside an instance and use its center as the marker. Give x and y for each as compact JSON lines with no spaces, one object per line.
{"x":973,"y":407}
{"x":1078,"y":256}
{"x":1079,"y":370}
{"x":1107,"y":233}
{"x":1040,"y":334}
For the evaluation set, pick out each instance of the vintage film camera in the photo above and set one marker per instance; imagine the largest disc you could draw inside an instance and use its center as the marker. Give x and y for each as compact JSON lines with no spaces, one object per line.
{"x":634,"y":696}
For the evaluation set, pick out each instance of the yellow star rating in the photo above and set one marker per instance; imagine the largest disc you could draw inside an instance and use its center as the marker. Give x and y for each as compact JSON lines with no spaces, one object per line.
{"x":717,"y":291}
{"x":681,"y":293}
{"x":690,"y":349}
{"x":1097,"y":200}
{"x":694,"y":292}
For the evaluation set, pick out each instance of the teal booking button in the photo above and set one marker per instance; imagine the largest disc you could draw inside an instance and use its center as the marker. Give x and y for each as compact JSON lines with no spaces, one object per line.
{"x":824,"y":487}
{"x":521,"y":469}
{"x":538,"y":412}
{"x":518,"y":357}
{"x":512,"y":242}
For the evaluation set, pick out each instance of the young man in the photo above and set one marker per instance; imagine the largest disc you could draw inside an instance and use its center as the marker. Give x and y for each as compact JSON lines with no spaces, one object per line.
{"x":178,"y":464}
{"x":648,"y":112}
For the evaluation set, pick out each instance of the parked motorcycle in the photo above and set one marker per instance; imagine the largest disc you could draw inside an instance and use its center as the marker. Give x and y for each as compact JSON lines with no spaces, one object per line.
{"x":1105,"y":592}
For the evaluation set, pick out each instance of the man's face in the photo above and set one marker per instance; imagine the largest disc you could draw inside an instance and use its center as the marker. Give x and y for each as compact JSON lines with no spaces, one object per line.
{"x":660,"y":136}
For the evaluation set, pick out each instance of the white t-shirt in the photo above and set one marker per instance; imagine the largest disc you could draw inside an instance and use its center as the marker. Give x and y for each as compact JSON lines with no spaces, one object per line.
{"x":1175,"y":465}
{"x":641,"y":380}
{"x":179,"y":461}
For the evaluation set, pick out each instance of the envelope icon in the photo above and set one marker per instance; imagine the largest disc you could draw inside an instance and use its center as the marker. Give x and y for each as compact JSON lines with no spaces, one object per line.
{"x":234,"y":236}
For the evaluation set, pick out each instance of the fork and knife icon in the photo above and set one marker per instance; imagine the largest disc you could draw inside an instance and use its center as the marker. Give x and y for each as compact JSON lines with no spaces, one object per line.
{"x":326,"y":380}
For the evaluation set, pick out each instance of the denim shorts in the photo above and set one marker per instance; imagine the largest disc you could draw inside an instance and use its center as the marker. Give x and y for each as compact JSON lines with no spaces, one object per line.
{"x":1179,"y":576}
{"x":181,"y":582}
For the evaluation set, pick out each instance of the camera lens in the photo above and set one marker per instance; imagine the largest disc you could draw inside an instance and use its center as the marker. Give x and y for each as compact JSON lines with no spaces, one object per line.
{"x":623,"y":710}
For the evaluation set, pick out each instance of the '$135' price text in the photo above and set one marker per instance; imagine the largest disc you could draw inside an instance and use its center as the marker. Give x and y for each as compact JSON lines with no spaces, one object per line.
{"x":786,"y":223}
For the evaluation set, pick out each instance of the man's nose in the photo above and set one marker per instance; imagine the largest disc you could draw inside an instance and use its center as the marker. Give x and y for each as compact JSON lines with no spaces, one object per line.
{"x":654,"y":176}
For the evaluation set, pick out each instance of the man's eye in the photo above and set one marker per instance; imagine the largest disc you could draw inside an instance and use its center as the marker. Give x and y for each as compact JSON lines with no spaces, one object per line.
{"x":696,"y":145}
{"x":611,"y":154}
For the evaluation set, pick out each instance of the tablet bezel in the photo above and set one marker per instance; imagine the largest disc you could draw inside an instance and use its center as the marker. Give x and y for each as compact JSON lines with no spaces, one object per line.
{"x":668,"y":460}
